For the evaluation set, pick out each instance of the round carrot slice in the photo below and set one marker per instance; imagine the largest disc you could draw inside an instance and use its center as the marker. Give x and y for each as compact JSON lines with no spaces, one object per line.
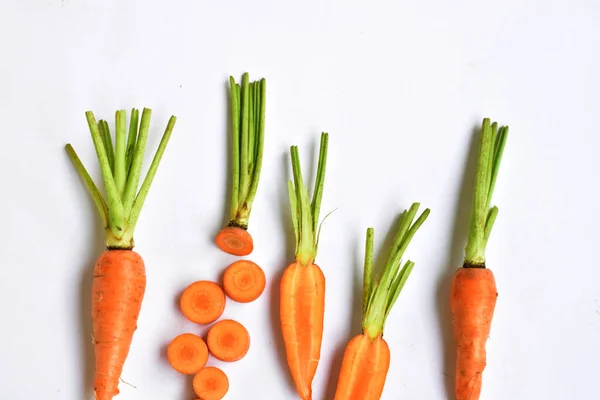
{"x":228,"y":340}
{"x":211,"y":383}
{"x":203,"y":302}
{"x":234,"y":240}
{"x":244,"y":281}
{"x":187,"y":353}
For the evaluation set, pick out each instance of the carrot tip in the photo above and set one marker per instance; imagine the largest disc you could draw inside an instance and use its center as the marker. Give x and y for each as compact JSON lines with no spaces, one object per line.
{"x":235,"y":241}
{"x":244,"y":281}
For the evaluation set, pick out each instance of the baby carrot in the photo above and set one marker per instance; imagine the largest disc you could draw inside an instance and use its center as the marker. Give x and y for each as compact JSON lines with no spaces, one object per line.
{"x":228,"y":340}
{"x":244,"y":281}
{"x":203,"y":302}
{"x":473,"y":294}
{"x":211,"y":383}
{"x":248,"y":107}
{"x":119,"y":275}
{"x":367,"y":357}
{"x":187,"y":353}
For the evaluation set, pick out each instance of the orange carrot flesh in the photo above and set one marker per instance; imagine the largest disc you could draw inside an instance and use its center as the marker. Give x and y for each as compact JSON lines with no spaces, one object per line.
{"x":473,"y":294}
{"x":367,"y":356}
{"x":244,"y":281}
{"x":228,"y":340}
{"x":235,"y":241}
{"x":187,"y":353}
{"x":302,"y":311}
{"x":365,"y":365}
{"x":118,"y":290}
{"x":472,"y":302}
{"x":211,"y":383}
{"x":203,"y":302}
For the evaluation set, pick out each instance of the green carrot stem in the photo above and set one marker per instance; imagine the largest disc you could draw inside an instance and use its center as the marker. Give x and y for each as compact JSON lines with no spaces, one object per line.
{"x":131,"y":139}
{"x":368,"y":270}
{"x":244,"y":137}
{"x":120,"y":155}
{"x":261,"y":90}
{"x":251,"y":133}
{"x":318,"y":192}
{"x":235,"y":147}
{"x":133,"y":179}
{"x":107,"y":141}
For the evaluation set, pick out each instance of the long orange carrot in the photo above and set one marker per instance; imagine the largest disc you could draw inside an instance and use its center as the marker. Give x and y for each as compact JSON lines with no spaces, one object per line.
{"x":367,"y":356}
{"x":302,"y":287}
{"x":473,"y":293}
{"x":248,"y":108}
{"x":119,"y":275}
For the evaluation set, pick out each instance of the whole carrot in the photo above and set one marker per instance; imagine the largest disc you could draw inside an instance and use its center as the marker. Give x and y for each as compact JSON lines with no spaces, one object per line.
{"x":367,"y":357}
{"x":302,"y":287}
{"x":473,"y":293}
{"x":119,"y":275}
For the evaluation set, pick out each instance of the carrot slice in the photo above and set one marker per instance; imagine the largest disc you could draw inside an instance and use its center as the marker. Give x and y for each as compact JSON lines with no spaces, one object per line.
{"x":211,"y":383}
{"x":234,"y":240}
{"x":203,"y":302}
{"x":244,"y":281}
{"x":187,"y":353}
{"x":228,"y":340}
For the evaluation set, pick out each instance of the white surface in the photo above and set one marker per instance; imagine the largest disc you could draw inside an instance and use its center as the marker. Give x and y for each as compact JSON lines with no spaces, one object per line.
{"x":400,"y":86}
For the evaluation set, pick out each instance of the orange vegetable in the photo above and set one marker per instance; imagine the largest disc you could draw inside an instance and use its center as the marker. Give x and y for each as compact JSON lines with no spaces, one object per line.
{"x":211,"y":383}
{"x":203,"y":302}
{"x":367,"y":357}
{"x":248,"y":107}
{"x":302,"y":287}
{"x":244,"y":281}
{"x":473,"y":294}
{"x":119,"y":276}
{"x":228,"y":340}
{"x":187,"y":353}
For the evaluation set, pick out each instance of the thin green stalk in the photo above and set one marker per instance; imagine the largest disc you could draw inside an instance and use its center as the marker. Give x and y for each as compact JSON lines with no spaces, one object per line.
{"x":482,"y":218}
{"x":368,"y":270}
{"x":251,"y":133}
{"x":89,"y":184}
{"x":136,"y":164}
{"x":235,"y":147}
{"x":261,"y":107}
{"x":120,"y":156}
{"x":244,"y":178}
{"x":131,"y":139}
{"x":294,"y":208}
{"x":107,"y":141}
{"x":318,"y":191}
{"x":141,"y":197}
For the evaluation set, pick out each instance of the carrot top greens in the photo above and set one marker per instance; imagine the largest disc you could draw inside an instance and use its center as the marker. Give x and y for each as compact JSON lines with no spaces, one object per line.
{"x":121,"y":167}
{"x":248,"y":108}
{"x":305,"y":214}
{"x":492,"y":145}
{"x":379,"y":298}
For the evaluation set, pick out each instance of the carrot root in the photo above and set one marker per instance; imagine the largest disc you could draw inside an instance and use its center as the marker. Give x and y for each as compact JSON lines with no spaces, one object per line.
{"x":118,"y":290}
{"x":301,"y":313}
{"x":472,"y":302}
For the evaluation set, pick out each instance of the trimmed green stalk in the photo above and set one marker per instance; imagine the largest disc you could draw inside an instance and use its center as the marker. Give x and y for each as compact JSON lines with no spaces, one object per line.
{"x":304,"y":214}
{"x":120,"y":221}
{"x":380,"y":297}
{"x":483,"y":217}
{"x":248,"y":109}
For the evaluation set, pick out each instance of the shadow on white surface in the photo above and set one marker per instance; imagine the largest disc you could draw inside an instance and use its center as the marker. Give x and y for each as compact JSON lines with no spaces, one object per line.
{"x":454,"y":260}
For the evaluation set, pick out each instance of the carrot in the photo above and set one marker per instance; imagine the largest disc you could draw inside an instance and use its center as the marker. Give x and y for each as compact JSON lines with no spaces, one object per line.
{"x":228,"y":340}
{"x":187,"y":353}
{"x":248,"y":107}
{"x":202,"y":302}
{"x":367,"y":356}
{"x":302,"y":287}
{"x":119,"y":275}
{"x":244,"y":281}
{"x":211,"y":383}
{"x":473,"y":294}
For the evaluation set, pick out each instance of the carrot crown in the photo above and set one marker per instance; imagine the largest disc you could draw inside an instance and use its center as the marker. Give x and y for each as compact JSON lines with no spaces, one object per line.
{"x":305,"y":214}
{"x":379,"y":298}
{"x":248,"y":107}
{"x":121,"y":167}
{"x":491,"y":149}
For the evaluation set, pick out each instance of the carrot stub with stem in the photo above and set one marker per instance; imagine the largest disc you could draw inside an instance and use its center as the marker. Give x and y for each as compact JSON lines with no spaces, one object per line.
{"x":473,"y":293}
{"x":302,"y":287}
{"x":211,"y":383}
{"x":187,"y":353}
{"x":228,"y":340}
{"x":244,"y":281}
{"x":248,"y":110}
{"x":202,"y":302}
{"x":367,"y":356}
{"x":119,"y":274}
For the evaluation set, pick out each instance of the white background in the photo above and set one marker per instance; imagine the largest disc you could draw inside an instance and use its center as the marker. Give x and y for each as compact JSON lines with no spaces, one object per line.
{"x":400,"y":87}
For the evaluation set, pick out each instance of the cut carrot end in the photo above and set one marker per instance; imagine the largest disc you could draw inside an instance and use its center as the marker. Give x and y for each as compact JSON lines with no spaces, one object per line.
{"x":244,"y":281}
{"x":235,"y":241}
{"x":203,"y":302}
{"x":211,"y":383}
{"x":187,"y":353}
{"x":228,"y":340}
